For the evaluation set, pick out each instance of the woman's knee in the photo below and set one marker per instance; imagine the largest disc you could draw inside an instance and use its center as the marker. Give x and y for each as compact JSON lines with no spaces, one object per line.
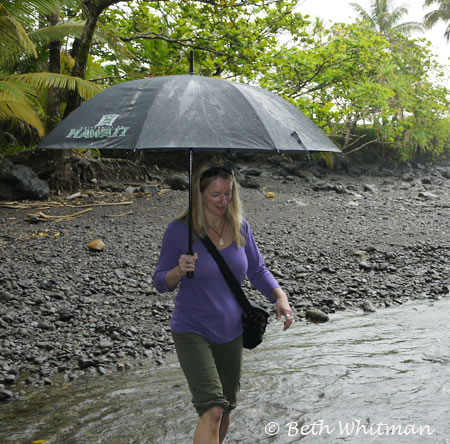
{"x":213,"y":416}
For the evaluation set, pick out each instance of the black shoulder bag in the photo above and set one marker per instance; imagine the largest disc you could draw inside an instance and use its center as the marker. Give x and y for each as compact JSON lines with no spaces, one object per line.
{"x":254,"y":317}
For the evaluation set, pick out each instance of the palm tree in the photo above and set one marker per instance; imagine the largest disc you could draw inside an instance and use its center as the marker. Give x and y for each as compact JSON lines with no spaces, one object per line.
{"x":384,"y":17}
{"x":442,"y":13}
{"x":19,"y":93}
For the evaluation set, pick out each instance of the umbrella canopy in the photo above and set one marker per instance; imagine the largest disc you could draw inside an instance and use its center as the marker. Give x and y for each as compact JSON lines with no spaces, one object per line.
{"x":188,"y":112}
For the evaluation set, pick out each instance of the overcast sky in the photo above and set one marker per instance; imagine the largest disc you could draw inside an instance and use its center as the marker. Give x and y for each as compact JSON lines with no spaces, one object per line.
{"x":341,"y":11}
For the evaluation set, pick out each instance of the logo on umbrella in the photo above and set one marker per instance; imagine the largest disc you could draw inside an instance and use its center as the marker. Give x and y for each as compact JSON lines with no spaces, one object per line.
{"x":104,"y":128}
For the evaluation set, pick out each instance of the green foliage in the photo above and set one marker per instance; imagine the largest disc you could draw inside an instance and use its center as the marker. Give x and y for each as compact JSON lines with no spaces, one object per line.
{"x":229,"y":40}
{"x":366,"y":84}
{"x":92,"y":152}
{"x":8,"y":150}
{"x":349,"y":78}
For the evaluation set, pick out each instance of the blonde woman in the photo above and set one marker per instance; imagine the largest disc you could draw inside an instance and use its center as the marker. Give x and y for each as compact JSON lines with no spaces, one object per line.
{"x":206,"y":321}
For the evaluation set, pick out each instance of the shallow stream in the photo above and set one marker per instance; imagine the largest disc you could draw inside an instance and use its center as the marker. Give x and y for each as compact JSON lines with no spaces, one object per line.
{"x":382,"y":377}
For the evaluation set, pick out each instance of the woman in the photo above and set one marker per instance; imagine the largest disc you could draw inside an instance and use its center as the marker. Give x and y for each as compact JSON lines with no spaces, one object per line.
{"x":206,"y":321}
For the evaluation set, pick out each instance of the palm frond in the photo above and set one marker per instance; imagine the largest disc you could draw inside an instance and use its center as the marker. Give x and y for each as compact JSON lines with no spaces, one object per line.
{"x":397,"y":14}
{"x":384,"y":17}
{"x":41,"y":80}
{"x":441,"y":13}
{"x":408,"y":27}
{"x":14,"y":41}
{"x":16,"y":10}
{"x":17,"y":90}
{"x":13,"y":109}
{"x":58,"y":32}
{"x":23,"y":10}
{"x":364,"y":15}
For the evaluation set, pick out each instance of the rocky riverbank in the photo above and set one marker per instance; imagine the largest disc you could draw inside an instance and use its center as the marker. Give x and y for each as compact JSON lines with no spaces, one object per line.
{"x":333,"y":241}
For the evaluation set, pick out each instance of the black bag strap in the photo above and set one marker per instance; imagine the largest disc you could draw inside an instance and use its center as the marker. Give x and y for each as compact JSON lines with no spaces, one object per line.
{"x":227,"y":274}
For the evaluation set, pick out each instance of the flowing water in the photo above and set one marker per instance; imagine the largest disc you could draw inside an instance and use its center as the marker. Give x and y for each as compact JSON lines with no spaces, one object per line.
{"x":382,"y":377}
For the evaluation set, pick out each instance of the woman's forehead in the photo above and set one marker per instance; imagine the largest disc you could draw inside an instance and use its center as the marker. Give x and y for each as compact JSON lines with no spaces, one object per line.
{"x":220,"y":184}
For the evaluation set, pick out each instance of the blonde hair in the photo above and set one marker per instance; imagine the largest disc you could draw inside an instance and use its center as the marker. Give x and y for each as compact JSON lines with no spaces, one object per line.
{"x":233,"y":214}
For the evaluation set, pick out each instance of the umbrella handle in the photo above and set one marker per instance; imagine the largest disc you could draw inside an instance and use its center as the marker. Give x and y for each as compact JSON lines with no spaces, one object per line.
{"x":190,"y":274}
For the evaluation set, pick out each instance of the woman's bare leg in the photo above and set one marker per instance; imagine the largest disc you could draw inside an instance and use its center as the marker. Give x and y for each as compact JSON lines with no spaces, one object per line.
{"x":208,"y":426}
{"x":224,"y":427}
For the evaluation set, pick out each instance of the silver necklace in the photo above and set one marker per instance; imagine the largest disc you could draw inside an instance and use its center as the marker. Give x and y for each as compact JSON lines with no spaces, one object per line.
{"x":221,"y":242}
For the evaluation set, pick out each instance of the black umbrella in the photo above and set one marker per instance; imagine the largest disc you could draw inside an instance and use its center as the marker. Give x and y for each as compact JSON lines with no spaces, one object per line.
{"x":188,"y":112}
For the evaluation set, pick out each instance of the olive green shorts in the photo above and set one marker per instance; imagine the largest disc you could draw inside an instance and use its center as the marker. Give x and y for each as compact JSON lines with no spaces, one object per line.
{"x":213,"y":371}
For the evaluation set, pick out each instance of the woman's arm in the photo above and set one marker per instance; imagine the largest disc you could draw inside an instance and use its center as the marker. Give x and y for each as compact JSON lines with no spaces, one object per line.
{"x":257,"y":272}
{"x":263,"y":280}
{"x":186,"y":263}
{"x":174,"y":237}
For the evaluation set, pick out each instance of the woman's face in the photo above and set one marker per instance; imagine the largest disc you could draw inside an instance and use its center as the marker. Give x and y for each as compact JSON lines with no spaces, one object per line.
{"x":216,"y":197}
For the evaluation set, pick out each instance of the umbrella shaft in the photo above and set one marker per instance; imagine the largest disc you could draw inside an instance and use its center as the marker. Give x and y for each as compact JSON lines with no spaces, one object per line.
{"x":190,"y":274}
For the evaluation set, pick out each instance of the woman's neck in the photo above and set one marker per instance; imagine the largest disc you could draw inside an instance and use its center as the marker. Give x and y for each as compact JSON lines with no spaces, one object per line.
{"x":214,"y":221}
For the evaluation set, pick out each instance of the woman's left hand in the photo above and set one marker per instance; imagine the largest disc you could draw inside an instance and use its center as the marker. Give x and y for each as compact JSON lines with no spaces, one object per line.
{"x":283,"y":308}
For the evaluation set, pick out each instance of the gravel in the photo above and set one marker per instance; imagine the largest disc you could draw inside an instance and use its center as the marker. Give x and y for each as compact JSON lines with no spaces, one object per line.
{"x":333,"y":241}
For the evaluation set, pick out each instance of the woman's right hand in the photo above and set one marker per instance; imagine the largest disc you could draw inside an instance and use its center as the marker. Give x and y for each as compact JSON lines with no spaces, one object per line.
{"x":186,"y":263}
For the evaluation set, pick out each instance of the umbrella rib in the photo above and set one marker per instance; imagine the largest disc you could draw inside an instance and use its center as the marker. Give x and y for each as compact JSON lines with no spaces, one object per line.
{"x":256,"y":113}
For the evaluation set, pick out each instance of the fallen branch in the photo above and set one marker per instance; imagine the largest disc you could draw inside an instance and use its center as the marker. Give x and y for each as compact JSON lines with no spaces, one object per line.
{"x":118,"y":215}
{"x":103,"y":204}
{"x":42,"y":216}
{"x":46,"y":205}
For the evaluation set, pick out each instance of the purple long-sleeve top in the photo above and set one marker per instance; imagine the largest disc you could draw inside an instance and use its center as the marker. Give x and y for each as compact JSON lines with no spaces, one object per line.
{"x":205,"y":304}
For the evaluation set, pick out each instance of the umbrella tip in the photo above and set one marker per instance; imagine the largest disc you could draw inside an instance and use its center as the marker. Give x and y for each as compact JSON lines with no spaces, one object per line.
{"x":191,"y":59}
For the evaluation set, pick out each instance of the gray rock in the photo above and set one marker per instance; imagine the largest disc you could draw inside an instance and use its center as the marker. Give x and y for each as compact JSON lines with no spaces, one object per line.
{"x":177,"y":182}
{"x":130,"y":190}
{"x":370,"y":189}
{"x":6,"y":296}
{"x":368,"y":306}
{"x":306,"y":174}
{"x":445,"y":171}
{"x":316,"y":316}
{"x":427,"y":195}
{"x":249,"y":182}
{"x":65,"y":315}
{"x":105,"y":343}
{"x":6,"y":395}
{"x":365,"y":265}
{"x":251,"y":171}
{"x":84,"y":363}
{"x":10,"y":379}
{"x":148,"y":188}
{"x":19,"y":182}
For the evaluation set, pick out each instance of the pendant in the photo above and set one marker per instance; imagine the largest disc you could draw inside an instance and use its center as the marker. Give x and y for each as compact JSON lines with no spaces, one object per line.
{"x":221,"y":242}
